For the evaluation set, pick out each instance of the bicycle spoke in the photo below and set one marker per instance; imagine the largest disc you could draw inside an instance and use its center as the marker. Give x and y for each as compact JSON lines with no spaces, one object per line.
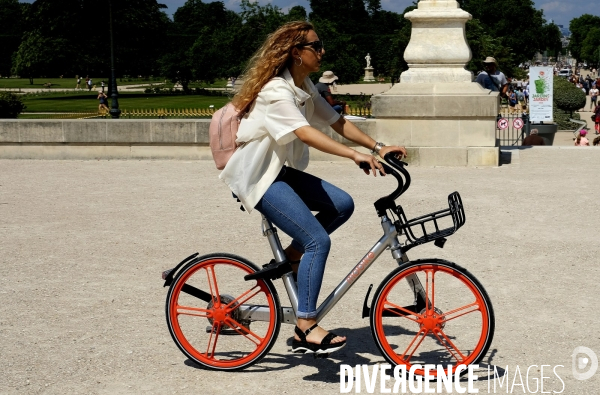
{"x":242,"y":330}
{"x":212,"y":284}
{"x":476,"y":305}
{"x":422,"y":333}
{"x":239,"y":301}
{"x":181,"y":310}
{"x":429,"y":283}
{"x":446,"y":340}
{"x":214,"y":332}
{"x":395,"y":309}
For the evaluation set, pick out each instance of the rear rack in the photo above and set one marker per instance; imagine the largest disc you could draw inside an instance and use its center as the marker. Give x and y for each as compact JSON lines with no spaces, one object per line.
{"x":422,"y":225}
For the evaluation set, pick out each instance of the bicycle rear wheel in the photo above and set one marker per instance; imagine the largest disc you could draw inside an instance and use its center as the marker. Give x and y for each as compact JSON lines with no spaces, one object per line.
{"x":453,"y":324}
{"x":218,"y":319}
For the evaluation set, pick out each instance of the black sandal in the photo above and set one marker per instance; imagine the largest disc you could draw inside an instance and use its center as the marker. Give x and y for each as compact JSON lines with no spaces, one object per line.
{"x":304,"y":347}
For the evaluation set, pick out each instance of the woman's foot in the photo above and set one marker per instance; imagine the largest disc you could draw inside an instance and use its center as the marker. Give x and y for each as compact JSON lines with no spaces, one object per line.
{"x":311,"y":338}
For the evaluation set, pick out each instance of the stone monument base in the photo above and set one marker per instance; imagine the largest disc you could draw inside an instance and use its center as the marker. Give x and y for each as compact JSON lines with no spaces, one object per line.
{"x":447,"y":124}
{"x":369,"y":74}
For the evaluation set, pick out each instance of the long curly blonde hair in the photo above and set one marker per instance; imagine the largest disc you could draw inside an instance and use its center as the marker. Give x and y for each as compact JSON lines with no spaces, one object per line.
{"x":269,"y":60}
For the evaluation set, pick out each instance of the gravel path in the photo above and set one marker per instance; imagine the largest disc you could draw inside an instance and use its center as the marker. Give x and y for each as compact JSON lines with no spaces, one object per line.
{"x":83,"y":244}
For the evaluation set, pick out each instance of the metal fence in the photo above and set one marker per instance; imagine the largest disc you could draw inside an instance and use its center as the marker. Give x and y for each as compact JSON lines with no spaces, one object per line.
{"x":512,"y":128}
{"x":160,"y":113}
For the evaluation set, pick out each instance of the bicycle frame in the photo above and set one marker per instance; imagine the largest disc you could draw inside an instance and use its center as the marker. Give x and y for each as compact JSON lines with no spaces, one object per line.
{"x":388,"y":240}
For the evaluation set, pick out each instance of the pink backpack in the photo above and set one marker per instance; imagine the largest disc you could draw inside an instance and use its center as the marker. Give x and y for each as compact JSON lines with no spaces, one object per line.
{"x":222,"y":133}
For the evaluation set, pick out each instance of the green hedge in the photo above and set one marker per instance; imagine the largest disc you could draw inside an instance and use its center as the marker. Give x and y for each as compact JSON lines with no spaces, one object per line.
{"x":567,"y":97}
{"x":562,"y":119}
{"x":10,"y":105}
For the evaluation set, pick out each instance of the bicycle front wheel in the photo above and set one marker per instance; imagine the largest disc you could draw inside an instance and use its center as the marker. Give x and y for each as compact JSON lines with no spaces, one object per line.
{"x":432,"y":312}
{"x":219,"y":320}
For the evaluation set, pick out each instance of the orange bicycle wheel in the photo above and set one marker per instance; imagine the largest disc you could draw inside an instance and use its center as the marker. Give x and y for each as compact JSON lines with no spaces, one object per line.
{"x":452,"y":325}
{"x":218,"y":319}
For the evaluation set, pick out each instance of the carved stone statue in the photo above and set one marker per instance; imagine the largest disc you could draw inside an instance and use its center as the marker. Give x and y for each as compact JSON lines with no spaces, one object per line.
{"x":368,"y":59}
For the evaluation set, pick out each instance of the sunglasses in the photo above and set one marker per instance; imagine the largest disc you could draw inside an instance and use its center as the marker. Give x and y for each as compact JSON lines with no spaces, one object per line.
{"x":316,"y":45}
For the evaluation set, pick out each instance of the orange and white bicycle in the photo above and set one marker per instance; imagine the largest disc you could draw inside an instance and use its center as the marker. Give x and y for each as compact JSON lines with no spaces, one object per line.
{"x":224,"y":313}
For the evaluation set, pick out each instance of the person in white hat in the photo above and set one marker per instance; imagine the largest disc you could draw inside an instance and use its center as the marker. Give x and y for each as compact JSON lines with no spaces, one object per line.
{"x":324,"y":88}
{"x":492,"y":78}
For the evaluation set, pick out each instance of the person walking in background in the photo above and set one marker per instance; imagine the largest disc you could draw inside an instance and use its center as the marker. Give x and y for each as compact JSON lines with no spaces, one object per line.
{"x":89,"y":84}
{"x":492,"y":78}
{"x":324,"y":88}
{"x":103,"y":100}
{"x":594,"y":97}
{"x":597,"y":119}
{"x":533,"y":138}
{"x":581,"y":140}
{"x":78,"y":86}
{"x":512,"y":101}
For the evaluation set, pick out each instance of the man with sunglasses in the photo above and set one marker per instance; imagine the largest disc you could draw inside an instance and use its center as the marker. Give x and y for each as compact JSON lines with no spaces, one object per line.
{"x":324,"y":88}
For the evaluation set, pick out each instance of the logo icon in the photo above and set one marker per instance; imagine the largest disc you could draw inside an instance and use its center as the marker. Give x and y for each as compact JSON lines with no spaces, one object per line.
{"x":585,"y":363}
{"x":502,"y":123}
{"x":518,"y":123}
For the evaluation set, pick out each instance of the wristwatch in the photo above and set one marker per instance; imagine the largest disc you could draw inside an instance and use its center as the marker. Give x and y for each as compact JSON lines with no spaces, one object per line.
{"x":378,"y":146}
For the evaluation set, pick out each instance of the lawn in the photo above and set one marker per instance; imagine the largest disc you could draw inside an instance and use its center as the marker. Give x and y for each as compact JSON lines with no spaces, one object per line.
{"x":87,"y":102}
{"x":70,"y":83}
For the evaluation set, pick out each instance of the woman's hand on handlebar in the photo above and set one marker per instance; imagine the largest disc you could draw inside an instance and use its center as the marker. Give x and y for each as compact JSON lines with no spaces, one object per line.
{"x":400,"y":151}
{"x":371,"y":161}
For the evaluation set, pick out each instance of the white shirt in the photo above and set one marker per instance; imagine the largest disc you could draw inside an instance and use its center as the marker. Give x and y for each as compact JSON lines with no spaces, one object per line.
{"x":268,"y":139}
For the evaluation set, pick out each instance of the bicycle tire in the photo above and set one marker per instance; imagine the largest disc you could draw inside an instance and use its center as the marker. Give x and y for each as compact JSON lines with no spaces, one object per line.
{"x":212,"y":288}
{"x":455,"y":328}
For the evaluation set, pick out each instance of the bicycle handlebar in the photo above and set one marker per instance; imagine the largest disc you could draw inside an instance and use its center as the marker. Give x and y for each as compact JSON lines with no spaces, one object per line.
{"x":388,"y":202}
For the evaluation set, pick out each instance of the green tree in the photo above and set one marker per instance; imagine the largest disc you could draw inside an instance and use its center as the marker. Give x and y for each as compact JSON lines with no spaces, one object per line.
{"x":552,"y":39}
{"x":74,"y":37}
{"x":483,"y":45}
{"x":40,"y":56}
{"x":297,"y":13}
{"x":579,"y":28}
{"x":362,"y":28}
{"x":205,"y":42}
{"x":516,"y":23}
{"x":11,"y":30}
{"x":590,"y":47}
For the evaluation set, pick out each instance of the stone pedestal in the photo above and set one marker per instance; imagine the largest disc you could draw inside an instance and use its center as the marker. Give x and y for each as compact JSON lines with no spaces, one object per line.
{"x":436,"y":106}
{"x":369,"y":74}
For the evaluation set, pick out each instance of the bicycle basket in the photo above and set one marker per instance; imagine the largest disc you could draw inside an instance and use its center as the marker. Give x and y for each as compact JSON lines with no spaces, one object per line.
{"x":426,"y":228}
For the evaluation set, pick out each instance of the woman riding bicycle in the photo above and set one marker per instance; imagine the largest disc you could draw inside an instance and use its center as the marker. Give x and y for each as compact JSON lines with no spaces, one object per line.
{"x":282,"y":108}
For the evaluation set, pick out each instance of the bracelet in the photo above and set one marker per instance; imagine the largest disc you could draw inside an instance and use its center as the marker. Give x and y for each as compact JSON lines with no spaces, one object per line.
{"x":378,"y":146}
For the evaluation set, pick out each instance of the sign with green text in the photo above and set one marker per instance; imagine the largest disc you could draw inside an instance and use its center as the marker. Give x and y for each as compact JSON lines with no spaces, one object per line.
{"x":540,"y":94}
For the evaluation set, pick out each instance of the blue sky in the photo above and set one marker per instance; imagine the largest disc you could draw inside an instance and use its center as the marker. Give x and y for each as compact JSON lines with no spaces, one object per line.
{"x":561,"y":11}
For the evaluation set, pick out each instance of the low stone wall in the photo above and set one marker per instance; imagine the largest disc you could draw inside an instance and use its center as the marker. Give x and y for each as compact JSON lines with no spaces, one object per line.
{"x":179,"y":139}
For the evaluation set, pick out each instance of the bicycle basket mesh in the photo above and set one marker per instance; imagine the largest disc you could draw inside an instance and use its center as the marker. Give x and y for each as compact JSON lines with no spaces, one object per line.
{"x":436,"y":225}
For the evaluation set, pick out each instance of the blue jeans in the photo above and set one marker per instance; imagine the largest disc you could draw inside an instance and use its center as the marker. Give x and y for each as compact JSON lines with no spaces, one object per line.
{"x":288,"y":204}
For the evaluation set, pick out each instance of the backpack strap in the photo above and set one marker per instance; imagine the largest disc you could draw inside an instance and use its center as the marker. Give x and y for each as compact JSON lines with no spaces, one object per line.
{"x":493,"y":81}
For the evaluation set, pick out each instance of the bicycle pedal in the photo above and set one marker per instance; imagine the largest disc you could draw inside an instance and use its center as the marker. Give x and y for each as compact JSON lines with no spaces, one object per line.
{"x":271,"y":271}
